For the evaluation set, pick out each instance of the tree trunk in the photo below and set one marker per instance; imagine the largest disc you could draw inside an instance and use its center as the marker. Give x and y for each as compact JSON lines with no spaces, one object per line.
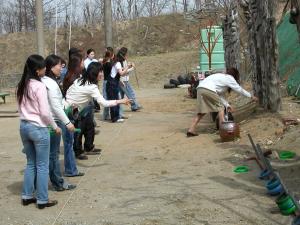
{"x":232,"y":39}
{"x":185,"y":6}
{"x":261,"y":27}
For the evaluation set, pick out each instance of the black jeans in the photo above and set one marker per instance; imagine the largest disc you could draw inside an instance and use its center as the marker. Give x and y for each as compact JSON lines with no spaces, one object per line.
{"x":112,"y":90}
{"x":86,"y":123}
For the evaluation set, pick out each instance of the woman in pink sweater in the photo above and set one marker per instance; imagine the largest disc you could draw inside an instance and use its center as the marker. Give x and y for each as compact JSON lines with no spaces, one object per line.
{"x":35,"y":118}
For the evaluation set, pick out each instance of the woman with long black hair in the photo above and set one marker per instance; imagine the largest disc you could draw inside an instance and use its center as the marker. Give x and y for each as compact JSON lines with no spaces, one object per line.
{"x":35,"y":118}
{"x":53,"y":69}
{"x":113,"y":86}
{"x":79,"y":95}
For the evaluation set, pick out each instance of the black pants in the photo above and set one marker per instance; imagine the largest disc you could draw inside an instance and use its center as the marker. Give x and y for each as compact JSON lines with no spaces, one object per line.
{"x":112,"y":90}
{"x":96,"y":105}
{"x":86,"y":123}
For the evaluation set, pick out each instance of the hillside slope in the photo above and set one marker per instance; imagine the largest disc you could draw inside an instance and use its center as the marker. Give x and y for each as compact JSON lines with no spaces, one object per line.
{"x":143,"y":37}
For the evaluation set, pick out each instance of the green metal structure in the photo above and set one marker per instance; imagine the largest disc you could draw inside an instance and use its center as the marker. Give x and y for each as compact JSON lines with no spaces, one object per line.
{"x":217,"y":54}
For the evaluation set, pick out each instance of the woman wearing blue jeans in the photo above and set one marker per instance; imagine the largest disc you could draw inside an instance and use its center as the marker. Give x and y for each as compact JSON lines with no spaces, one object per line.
{"x":53,"y":68}
{"x":35,"y":118}
{"x":125,"y":86}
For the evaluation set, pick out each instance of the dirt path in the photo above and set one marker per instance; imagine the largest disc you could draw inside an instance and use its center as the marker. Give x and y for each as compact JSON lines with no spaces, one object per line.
{"x":148,"y":174}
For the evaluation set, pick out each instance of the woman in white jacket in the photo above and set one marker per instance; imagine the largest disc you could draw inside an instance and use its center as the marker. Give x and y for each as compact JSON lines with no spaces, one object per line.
{"x":210,"y":95}
{"x":53,"y":68}
{"x":79,"y":95}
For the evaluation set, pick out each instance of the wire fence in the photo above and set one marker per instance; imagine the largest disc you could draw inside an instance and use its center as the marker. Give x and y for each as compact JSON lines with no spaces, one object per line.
{"x":9,"y":81}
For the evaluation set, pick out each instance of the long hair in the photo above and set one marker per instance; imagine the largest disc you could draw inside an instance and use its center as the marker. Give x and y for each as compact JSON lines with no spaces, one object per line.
{"x":75,"y":51}
{"x":109,"y":53}
{"x":51,"y":61}
{"x":33,"y":63}
{"x":74,"y":71}
{"x":235,"y":73}
{"x":90,"y":76}
{"x":120,"y":57}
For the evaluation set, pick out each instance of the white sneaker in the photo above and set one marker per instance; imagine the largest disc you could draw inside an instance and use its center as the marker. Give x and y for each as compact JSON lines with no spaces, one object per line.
{"x":120,"y":121}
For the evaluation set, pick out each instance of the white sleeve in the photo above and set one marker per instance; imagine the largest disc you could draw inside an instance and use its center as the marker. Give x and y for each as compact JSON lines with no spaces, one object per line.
{"x":56,"y":105}
{"x":44,"y":108}
{"x":237,"y":88}
{"x":129,"y":70}
{"x":99,"y":98}
{"x":118,"y":66}
{"x":86,"y":63}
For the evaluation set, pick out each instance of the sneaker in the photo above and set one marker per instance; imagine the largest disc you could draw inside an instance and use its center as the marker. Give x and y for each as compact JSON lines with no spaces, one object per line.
{"x":82,"y":157}
{"x":137,"y":109}
{"x":59,"y":189}
{"x":120,"y":121}
{"x":69,"y":186}
{"x":94,"y":151}
{"x":79,"y":174}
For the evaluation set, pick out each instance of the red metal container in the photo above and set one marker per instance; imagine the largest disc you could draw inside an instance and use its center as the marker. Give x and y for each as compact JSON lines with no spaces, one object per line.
{"x":229,"y":131}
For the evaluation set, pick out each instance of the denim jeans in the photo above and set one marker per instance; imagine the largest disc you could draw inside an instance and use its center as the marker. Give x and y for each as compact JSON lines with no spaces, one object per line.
{"x":105,"y":115}
{"x":54,"y":166}
{"x":36,"y":142}
{"x":69,"y":155}
{"x":126,"y":89}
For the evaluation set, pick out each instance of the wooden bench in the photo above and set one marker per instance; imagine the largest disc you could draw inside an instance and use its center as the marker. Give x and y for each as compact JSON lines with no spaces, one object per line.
{"x":3,"y":95}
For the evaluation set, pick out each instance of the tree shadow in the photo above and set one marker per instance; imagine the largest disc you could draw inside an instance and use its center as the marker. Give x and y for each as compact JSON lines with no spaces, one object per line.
{"x":15,"y":188}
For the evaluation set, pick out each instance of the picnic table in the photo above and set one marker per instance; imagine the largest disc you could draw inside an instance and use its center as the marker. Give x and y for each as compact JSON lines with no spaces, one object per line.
{"x":3,"y":95}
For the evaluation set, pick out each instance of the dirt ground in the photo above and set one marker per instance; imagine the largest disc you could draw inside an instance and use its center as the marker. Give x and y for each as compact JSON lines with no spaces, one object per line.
{"x":149,"y":173}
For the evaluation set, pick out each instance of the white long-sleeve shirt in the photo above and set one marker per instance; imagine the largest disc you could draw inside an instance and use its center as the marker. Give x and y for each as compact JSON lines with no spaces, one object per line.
{"x":88,"y":61}
{"x":55,"y":100}
{"x":81,"y":96}
{"x":220,"y":83}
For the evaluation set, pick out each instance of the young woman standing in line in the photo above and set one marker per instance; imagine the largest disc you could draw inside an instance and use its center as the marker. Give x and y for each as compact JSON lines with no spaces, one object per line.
{"x":53,"y":69}
{"x":35,"y":119}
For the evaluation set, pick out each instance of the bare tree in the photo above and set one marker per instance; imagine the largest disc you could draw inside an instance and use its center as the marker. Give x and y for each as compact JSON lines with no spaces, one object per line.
{"x":155,"y":7}
{"x":19,"y":15}
{"x":174,"y":6}
{"x":185,"y":5}
{"x":93,"y":12}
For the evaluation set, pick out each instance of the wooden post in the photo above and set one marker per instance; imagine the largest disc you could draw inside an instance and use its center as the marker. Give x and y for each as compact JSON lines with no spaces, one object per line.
{"x":40,"y":27}
{"x":108,"y":23}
